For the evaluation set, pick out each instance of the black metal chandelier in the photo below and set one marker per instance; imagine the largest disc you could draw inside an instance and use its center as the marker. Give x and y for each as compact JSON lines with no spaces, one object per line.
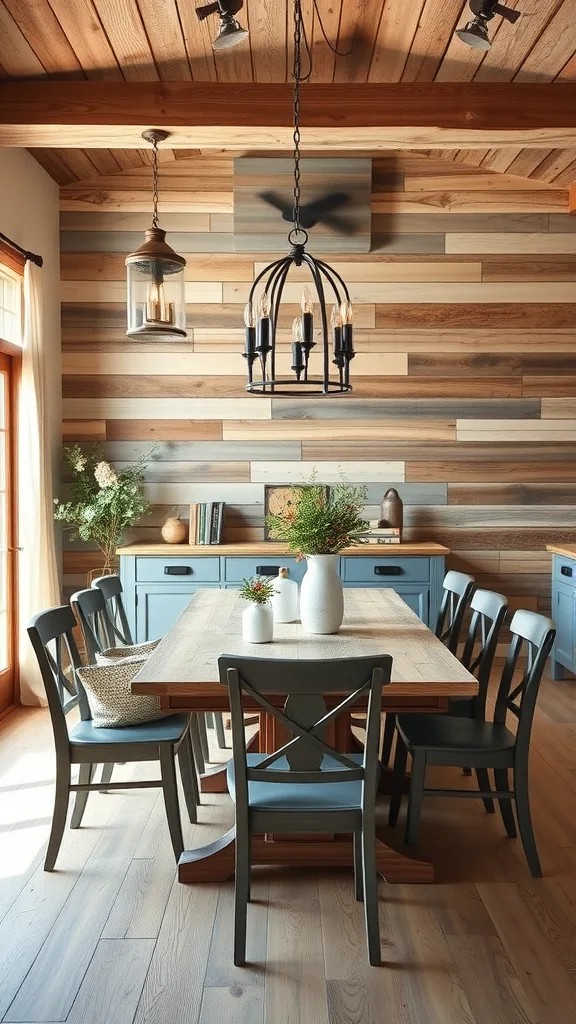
{"x":261,"y":316}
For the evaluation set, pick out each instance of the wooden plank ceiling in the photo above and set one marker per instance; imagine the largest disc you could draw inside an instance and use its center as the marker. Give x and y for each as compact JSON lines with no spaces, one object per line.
{"x":384,"y":41}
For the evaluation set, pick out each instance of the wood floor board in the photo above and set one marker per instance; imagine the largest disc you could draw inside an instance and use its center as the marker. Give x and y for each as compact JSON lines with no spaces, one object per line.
{"x":492,"y":986}
{"x":113,"y":982}
{"x":236,"y":1004}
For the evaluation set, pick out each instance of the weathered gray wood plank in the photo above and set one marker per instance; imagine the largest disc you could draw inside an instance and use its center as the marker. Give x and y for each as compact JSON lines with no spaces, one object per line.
{"x":423,"y":409}
{"x":204,"y":451}
{"x":128,"y":241}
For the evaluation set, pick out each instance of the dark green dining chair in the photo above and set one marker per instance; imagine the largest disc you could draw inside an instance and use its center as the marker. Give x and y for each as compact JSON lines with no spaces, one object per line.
{"x":457,"y":589}
{"x":89,"y":607}
{"x":306,"y":786}
{"x":488,"y":615}
{"x":51,"y":635}
{"x":453,"y":741}
{"x":119,"y":633}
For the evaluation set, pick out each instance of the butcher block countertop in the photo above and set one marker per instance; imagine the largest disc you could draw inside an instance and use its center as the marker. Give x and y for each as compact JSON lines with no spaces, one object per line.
{"x":568,"y":550}
{"x":272,"y":548}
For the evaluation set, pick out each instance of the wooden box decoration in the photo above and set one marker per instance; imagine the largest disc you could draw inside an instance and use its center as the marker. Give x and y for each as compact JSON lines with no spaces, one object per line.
{"x":336,"y":203}
{"x":277,"y":498}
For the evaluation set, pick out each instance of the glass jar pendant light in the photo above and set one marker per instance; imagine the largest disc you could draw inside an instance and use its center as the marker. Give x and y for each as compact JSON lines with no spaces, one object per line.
{"x":262,"y":310}
{"x":155,"y":274}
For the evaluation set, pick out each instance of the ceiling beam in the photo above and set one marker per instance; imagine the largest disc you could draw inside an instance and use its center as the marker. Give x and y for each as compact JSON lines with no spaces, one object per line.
{"x":407,"y":115}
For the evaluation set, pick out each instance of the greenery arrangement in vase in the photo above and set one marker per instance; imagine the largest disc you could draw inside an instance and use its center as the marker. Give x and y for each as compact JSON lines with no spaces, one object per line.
{"x":257,"y":618}
{"x":317,"y":524}
{"x":104,"y":502}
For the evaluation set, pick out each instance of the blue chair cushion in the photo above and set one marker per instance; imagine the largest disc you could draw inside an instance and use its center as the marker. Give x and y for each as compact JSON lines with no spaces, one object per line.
{"x":449,"y":732}
{"x":300,"y":796}
{"x":164,"y":730}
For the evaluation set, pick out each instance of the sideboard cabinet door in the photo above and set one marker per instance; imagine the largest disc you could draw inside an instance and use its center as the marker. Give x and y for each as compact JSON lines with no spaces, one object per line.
{"x":158,"y":607}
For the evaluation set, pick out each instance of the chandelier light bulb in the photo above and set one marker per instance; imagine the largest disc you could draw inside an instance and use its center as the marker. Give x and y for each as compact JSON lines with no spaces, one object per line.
{"x":346,"y":312}
{"x":264,"y":306}
{"x":249,"y":318}
{"x":307,"y":301}
{"x":335,"y":318}
{"x":297,"y":335}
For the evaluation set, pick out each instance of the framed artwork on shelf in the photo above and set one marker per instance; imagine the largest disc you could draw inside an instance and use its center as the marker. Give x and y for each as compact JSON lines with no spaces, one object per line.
{"x":278,"y":497}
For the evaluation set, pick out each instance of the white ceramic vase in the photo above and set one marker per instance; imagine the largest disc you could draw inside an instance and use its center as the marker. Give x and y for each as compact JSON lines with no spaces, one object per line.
{"x":257,"y":624}
{"x":321,"y":595}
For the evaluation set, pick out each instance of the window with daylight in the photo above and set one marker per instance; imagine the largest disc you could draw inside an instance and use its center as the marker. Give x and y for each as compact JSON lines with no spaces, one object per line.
{"x":10,"y":306}
{"x":11,"y":323}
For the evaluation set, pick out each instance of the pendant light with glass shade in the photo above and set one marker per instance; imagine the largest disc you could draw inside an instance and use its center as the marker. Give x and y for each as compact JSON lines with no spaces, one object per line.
{"x":263,"y":308}
{"x":155,"y":274}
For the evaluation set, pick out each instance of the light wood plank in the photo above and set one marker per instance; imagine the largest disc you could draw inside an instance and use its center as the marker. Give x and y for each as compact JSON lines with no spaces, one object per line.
{"x":513,"y":430}
{"x":345,"y":430}
{"x":510,"y":243}
{"x":113,"y":982}
{"x":558,"y":409}
{"x":538,"y":201}
{"x":514,"y":471}
{"x":274,"y":548}
{"x":84,"y":430}
{"x":167,"y":409}
{"x":325,"y":472}
{"x":203,"y":364}
{"x":389,"y":270}
{"x":238,"y":1004}
{"x":402,"y":292}
{"x":163,"y":430}
{"x":296,"y":996}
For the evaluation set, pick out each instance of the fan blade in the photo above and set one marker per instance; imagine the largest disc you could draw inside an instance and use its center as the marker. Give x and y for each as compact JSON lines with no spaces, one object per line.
{"x":327,"y":203}
{"x":273,"y":199}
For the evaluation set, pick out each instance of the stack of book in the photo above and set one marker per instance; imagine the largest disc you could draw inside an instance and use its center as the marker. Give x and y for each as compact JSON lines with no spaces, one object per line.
{"x":206,"y":522}
{"x":381,"y":534}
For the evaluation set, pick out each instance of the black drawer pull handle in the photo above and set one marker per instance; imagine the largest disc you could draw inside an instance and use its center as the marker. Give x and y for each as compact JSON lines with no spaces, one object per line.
{"x":177,"y":570}
{"x":388,"y":570}
{"x":267,"y":570}
{"x":566,"y":570}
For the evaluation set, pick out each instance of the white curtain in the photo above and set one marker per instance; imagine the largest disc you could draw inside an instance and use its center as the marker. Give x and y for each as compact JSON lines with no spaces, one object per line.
{"x":38,"y":585}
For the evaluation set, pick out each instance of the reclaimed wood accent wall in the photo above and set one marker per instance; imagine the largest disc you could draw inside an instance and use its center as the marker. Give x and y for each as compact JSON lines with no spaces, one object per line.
{"x":464,"y":382}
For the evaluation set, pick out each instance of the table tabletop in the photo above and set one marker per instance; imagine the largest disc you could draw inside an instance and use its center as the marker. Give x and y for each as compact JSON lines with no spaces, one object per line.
{"x":376,"y":621}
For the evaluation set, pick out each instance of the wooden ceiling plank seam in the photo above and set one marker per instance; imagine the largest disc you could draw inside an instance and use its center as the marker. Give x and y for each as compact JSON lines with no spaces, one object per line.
{"x":567,"y":177}
{"x":16,"y":54}
{"x":166,"y":39}
{"x":128,"y":39}
{"x":527,"y":161}
{"x":269,"y":41}
{"x":516,"y":41}
{"x":198,"y":43}
{"x":323,"y":57}
{"x":553,"y":164}
{"x":501,"y":159}
{"x":394,"y":40}
{"x":436,"y":27}
{"x":87,"y":37}
{"x":356,"y":25}
{"x":553,"y":48}
{"x":46,"y":37}
{"x":54,"y":165}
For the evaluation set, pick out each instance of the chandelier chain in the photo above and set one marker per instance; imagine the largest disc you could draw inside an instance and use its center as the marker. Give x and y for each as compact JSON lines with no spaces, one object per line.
{"x":297,"y":71}
{"x":155,"y":183}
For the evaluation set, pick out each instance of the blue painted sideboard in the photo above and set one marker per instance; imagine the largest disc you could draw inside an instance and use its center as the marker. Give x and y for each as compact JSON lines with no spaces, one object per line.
{"x":564,"y":610}
{"x":159,"y":579}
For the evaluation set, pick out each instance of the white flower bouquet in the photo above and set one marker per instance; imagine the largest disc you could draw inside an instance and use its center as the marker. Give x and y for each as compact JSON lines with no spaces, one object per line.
{"x":104,"y":503}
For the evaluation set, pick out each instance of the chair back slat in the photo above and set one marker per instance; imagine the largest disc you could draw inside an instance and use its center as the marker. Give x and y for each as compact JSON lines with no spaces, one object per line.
{"x":533,"y":635}
{"x":304,"y":716}
{"x":89,"y":607}
{"x":488,"y":615}
{"x":111,"y":588}
{"x":458,"y":588}
{"x":51,"y":635}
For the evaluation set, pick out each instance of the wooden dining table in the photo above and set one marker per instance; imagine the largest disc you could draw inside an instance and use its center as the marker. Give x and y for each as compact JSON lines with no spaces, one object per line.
{"x":183,"y":672}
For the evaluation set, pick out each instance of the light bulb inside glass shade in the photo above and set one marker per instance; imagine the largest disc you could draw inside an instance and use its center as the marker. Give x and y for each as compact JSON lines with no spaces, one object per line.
{"x":158,"y":309}
{"x":346,"y":312}
{"x":264,"y":306}
{"x":297,"y":335}
{"x":335,"y":318}
{"x":307,"y":301}
{"x":249,"y":318}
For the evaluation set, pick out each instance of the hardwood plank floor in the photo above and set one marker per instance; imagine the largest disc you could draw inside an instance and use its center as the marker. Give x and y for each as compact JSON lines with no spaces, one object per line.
{"x":112,"y":938}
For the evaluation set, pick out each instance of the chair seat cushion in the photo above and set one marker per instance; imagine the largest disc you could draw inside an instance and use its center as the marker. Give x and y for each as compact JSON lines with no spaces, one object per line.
{"x":112,"y":655}
{"x":112,"y":703}
{"x":166,"y":730}
{"x":449,"y":732}
{"x":300,"y":796}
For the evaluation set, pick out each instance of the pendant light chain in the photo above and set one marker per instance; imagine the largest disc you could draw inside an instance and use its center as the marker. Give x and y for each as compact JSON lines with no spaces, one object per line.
{"x":155,"y":183}
{"x":296,"y":136}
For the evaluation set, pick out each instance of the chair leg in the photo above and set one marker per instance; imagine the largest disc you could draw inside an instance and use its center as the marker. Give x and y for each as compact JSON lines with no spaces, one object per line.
{"x":203,"y":737}
{"x":85,"y":776}
{"x":398,"y":780}
{"x":484,"y":784}
{"x":370,"y":880}
{"x":389,"y":730}
{"x":196,"y":744}
{"x":506,"y":809}
{"x":59,"y":815}
{"x":189,"y":778}
{"x":525,"y":821}
{"x":241,"y":895}
{"x":358,"y":885}
{"x":170,"y":791}
{"x":219,"y":727}
{"x":106,"y":776}
{"x":416,"y":795}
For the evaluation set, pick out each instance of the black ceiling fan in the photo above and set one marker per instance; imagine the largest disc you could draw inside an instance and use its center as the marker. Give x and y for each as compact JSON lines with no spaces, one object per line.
{"x":318,"y":211}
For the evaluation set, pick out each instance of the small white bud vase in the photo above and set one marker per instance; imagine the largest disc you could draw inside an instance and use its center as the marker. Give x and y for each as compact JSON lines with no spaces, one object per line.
{"x":321,"y":595}
{"x":257,"y":624}
{"x":285,"y":598}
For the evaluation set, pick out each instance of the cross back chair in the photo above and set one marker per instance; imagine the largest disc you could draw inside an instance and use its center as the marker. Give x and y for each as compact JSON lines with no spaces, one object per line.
{"x":306,"y":785}
{"x":458,"y":588}
{"x":119,"y":632}
{"x":451,"y":741}
{"x":51,"y":635}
